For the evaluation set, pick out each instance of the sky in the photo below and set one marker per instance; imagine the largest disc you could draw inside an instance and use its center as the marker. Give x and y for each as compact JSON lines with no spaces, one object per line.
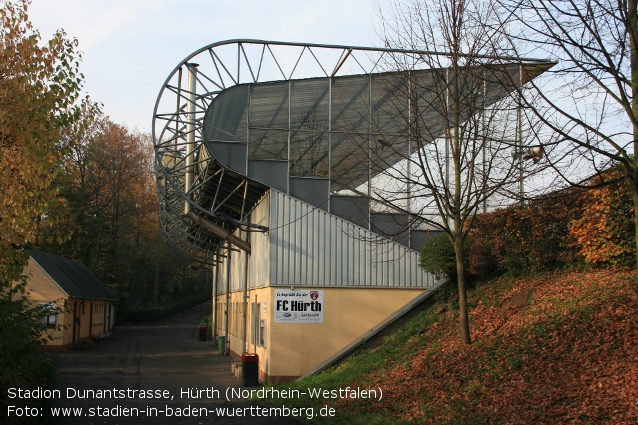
{"x":129,"y":47}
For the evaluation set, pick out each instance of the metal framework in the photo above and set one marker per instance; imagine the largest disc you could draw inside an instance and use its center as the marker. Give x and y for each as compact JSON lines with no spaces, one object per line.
{"x":292,"y":109}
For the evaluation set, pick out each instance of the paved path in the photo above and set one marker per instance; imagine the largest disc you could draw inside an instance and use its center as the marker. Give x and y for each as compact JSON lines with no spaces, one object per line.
{"x":159,"y":356}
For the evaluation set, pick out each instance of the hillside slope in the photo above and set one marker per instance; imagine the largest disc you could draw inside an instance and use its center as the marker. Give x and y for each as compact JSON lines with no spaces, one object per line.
{"x":556,"y":348}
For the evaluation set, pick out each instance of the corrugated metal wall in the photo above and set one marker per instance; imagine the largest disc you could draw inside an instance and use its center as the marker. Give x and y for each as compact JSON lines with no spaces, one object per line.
{"x":307,"y":246}
{"x":258,"y":262}
{"x":310,"y":247}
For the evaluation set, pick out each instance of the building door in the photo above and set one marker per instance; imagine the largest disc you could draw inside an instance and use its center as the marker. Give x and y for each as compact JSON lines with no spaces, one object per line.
{"x":76,"y":323}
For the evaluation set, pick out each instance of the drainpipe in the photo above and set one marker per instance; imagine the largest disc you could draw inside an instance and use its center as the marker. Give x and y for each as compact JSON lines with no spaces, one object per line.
{"x":90,"y":320}
{"x":215,"y":309}
{"x":75,"y":323}
{"x":245,"y":300}
{"x":104,"y":320}
{"x":256,"y":313}
{"x":216,"y":229}
{"x":227,"y":298}
{"x":79,"y":321}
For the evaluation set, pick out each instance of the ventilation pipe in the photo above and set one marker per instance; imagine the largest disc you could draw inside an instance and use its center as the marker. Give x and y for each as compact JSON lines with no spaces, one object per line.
{"x":190,"y":132}
{"x":219,"y":231}
{"x":216,"y":229}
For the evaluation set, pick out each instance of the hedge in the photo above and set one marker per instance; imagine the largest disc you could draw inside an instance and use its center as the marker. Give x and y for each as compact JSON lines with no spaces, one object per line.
{"x":594,"y":226}
{"x":154,"y":314}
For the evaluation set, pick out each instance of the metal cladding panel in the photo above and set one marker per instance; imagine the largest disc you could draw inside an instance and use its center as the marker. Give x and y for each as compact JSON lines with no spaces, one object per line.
{"x":392,"y":226}
{"x":272,"y":173}
{"x":418,"y":238}
{"x":232,"y":155}
{"x":313,"y":191}
{"x":221,"y":276}
{"x":258,"y":262}
{"x":238,"y":267}
{"x":228,"y":123}
{"x":355,"y":209}
{"x":310,"y":247}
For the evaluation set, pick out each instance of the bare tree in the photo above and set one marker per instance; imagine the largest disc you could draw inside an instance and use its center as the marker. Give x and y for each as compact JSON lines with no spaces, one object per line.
{"x":452,"y":118}
{"x":589,"y":103}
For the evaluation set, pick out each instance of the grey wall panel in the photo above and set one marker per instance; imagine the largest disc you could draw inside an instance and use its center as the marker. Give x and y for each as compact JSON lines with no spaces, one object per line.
{"x":226,"y":117}
{"x":231,"y":154}
{"x":238,"y":157}
{"x":221,"y":151}
{"x":221,"y":280}
{"x":258,"y":261}
{"x":393,"y":226}
{"x":307,"y":246}
{"x":313,"y":191}
{"x":310,"y":247}
{"x":419,"y":237}
{"x":238,"y":274}
{"x":272,"y":173}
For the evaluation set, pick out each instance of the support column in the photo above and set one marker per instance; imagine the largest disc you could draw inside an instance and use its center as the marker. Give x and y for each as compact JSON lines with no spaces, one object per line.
{"x":190,"y":132}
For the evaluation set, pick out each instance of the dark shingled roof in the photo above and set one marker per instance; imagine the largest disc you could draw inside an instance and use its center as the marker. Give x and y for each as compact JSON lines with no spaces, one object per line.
{"x":72,"y":276}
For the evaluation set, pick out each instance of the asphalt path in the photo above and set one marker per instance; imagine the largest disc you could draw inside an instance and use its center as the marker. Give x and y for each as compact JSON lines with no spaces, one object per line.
{"x":165,"y":358}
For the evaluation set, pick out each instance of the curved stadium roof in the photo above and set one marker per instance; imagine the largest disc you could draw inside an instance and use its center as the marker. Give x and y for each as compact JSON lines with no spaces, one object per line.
{"x":301,"y":118}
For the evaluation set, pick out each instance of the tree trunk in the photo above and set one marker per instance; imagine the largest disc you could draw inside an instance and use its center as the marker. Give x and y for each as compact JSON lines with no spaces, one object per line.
{"x":460,"y":271}
{"x":634,"y":198}
{"x":632,"y":18}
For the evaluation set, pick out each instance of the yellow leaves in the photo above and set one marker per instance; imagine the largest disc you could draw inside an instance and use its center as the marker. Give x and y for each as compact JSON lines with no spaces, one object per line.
{"x":32,"y":114}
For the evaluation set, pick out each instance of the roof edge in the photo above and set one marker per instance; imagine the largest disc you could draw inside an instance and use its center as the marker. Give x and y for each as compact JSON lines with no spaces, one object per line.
{"x":50,"y":277}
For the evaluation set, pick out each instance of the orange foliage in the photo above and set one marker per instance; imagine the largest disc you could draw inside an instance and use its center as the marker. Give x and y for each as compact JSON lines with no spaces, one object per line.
{"x":596,"y":225}
{"x":605,"y":231}
{"x":567,"y":356}
{"x":530,"y":238}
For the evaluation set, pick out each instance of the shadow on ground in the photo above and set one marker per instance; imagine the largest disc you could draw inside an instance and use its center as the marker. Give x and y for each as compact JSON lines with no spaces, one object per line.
{"x":119,"y":379}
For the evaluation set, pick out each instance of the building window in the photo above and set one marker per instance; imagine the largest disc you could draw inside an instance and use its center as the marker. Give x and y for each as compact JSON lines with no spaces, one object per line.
{"x":49,"y":319}
{"x":257,"y":326}
{"x":262,"y":332}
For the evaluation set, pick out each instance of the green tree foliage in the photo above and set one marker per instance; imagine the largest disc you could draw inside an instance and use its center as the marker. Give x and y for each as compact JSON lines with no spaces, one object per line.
{"x":39,"y":97}
{"x":22,"y":363}
{"x":438,"y":256}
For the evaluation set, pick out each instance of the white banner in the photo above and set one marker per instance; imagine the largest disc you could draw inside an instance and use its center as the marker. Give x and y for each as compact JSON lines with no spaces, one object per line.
{"x":298,"y":306}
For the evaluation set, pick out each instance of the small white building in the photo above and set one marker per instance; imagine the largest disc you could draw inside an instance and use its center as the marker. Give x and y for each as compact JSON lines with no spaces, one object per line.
{"x":87,"y":306}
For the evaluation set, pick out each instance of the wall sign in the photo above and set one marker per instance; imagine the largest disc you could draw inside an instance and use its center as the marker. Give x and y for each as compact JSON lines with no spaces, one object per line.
{"x":299,"y":306}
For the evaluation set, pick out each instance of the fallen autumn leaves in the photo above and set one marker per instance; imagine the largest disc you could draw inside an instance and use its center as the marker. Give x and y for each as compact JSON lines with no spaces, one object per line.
{"x":565,"y":353}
